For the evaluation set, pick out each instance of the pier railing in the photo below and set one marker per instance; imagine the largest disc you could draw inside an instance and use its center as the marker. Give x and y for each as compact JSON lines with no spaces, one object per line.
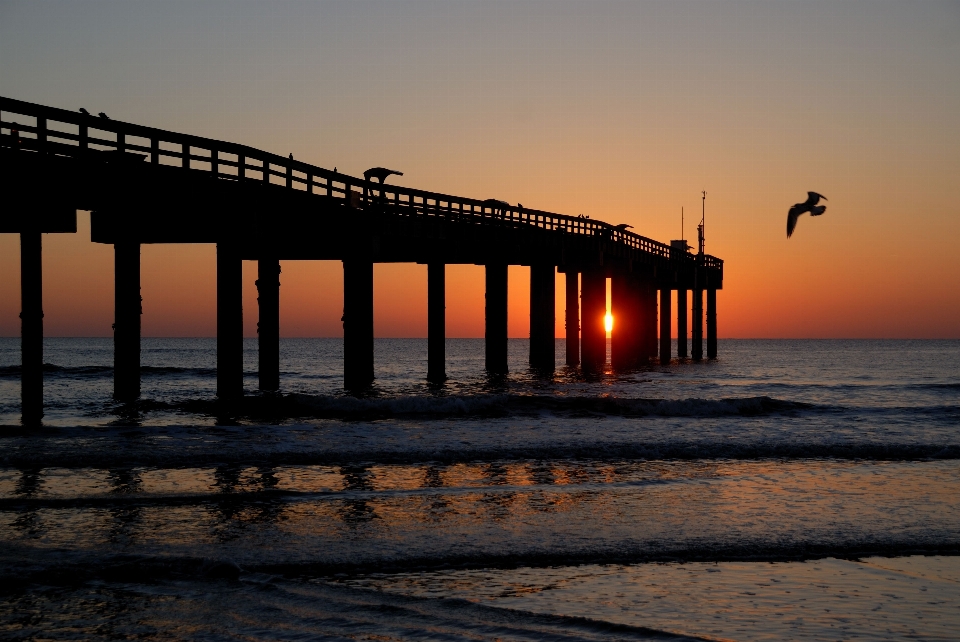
{"x":62,"y":132}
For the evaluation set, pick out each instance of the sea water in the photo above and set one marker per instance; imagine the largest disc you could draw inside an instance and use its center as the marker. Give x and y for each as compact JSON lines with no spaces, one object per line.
{"x":787,"y":490}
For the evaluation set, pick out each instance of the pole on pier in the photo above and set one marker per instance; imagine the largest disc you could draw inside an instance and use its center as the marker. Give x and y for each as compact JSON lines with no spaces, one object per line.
{"x":665,"y":318}
{"x":268,"y":327}
{"x":573,"y":318}
{"x":712,"y":323}
{"x":697,"y":324}
{"x":357,"y":323}
{"x":682,"y":323}
{"x":229,"y":323}
{"x":625,"y":306}
{"x":31,"y":328}
{"x":127,"y":308}
{"x":543,"y":292}
{"x":436,"y":322}
{"x":593,"y":299}
{"x":496,"y":318}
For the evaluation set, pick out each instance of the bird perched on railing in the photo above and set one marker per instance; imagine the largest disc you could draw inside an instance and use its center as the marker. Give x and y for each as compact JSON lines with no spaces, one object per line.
{"x":499,"y":207}
{"x":809,"y":205}
{"x":622,"y":227}
{"x":380,"y":173}
{"x":84,"y":112}
{"x":103,"y":115}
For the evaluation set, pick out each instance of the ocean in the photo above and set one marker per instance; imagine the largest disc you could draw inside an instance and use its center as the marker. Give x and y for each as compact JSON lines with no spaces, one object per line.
{"x":788,"y":490}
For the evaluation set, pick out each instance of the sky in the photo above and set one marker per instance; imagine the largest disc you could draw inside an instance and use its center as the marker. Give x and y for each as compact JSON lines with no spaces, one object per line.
{"x":623,"y":111}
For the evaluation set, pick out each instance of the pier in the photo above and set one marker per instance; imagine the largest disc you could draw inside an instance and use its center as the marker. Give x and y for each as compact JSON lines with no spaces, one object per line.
{"x":145,"y":185}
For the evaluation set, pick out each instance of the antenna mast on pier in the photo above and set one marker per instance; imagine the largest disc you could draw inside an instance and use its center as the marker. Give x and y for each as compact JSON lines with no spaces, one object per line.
{"x":703,"y":218}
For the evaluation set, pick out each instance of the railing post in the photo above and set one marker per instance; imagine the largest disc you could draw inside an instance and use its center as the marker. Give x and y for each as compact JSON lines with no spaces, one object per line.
{"x":185,"y":150}
{"x":84,"y":137}
{"x":290,"y":172}
{"x":41,"y":133}
{"x":266,"y":171}
{"x":215,"y":162}
{"x":241,"y":167}
{"x":155,"y":151}
{"x":121,"y":142}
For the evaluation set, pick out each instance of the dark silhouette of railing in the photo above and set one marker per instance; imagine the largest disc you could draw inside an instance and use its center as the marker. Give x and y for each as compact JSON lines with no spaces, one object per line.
{"x":67,"y":133}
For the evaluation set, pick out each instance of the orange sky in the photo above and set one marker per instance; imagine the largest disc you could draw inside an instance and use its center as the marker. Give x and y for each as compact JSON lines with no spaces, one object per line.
{"x":622,"y":111}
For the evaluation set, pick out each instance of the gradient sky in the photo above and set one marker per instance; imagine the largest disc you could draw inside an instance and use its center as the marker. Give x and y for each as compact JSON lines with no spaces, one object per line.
{"x":623,"y":111}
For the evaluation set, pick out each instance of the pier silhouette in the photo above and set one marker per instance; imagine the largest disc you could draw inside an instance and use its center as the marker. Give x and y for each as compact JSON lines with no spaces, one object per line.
{"x":147,"y":185}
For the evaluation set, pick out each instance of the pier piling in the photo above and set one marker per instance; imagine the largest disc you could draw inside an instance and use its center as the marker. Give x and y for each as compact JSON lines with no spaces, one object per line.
{"x":31,"y":327}
{"x":625,"y":306}
{"x":665,"y":318}
{"x":126,"y":326}
{"x":543,"y":317}
{"x":357,"y":323}
{"x":436,"y":322}
{"x":711,"y":323}
{"x":682,"y":323}
{"x":697,"y":348}
{"x":268,"y":327}
{"x":496,"y":318}
{"x":593,"y":300}
{"x":573,"y":318}
{"x":229,"y":323}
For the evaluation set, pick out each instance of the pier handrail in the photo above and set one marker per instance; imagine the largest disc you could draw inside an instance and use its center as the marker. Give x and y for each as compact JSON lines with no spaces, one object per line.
{"x":232,"y":161}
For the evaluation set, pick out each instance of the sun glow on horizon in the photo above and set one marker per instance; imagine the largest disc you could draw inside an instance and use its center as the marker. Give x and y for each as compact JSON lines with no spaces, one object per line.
{"x":608,"y":322}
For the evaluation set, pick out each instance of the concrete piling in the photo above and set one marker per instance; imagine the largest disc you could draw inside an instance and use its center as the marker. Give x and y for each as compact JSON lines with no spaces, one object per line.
{"x":712,"y":323}
{"x":268,"y":327}
{"x":357,"y":323}
{"x":682,"y":323}
{"x":593,"y":300}
{"x":436,"y":322}
{"x":665,"y":319}
{"x":572,"y":321}
{"x":126,"y":326}
{"x":31,"y":327}
{"x":496,"y":318}
{"x":229,"y":323}
{"x":543,"y":317}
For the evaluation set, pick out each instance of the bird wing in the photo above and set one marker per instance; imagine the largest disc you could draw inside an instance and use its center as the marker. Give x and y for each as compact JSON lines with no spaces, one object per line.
{"x":813,"y":198}
{"x":817,"y":211}
{"x":792,"y":217}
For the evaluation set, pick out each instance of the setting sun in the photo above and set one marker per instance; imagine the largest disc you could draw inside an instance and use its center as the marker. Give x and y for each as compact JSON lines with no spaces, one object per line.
{"x":608,"y":322}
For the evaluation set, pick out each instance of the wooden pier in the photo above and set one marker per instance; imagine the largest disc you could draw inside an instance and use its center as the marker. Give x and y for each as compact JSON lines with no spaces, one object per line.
{"x":146,"y":185}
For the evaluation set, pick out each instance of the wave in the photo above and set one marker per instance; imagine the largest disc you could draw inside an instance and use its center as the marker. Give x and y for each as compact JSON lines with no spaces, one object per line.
{"x":205,"y":598}
{"x":122,"y":448}
{"x":509,"y":405}
{"x":50,"y":369}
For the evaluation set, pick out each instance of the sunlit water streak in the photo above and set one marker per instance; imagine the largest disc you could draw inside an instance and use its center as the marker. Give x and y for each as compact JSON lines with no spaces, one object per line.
{"x":519,"y":508}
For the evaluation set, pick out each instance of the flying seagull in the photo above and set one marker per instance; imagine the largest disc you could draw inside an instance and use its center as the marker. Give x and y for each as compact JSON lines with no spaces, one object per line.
{"x":380,"y":173}
{"x":84,"y":112}
{"x":809,"y":205}
{"x":103,"y":115}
